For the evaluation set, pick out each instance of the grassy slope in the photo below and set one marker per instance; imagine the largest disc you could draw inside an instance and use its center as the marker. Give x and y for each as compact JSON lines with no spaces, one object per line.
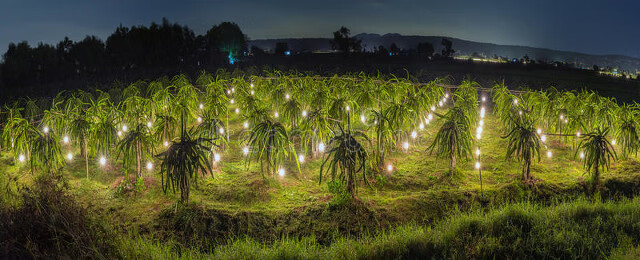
{"x":239,"y":201}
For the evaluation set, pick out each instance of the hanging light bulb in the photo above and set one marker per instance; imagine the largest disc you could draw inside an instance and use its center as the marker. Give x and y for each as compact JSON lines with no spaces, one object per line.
{"x":481,"y":123}
{"x":613,"y":142}
{"x":478,"y":165}
{"x":440,"y":103}
{"x":281,"y":172}
{"x":478,"y":136}
{"x":347,"y":108}
{"x":216,"y":157}
{"x":237,"y":110}
{"x":251,"y":85}
{"x":21,"y":158}
{"x":69,"y":156}
{"x":103,"y":161}
{"x":433,"y":108}
{"x":539,"y":131}
{"x":446,"y":95}
{"x":565,"y":121}
{"x":421,"y":126}
{"x":232,"y":101}
{"x":119,"y":133}
{"x":478,"y":152}
{"x":479,"y":130}
{"x":405,"y":145}
{"x":245,"y":150}
{"x":561,"y":117}
{"x":430,"y":116}
{"x":166,"y":143}
{"x":414,"y":134}
{"x":321,"y":147}
{"x":515,"y":101}
{"x":65,"y":139}
{"x":578,"y":134}
{"x":149,"y":124}
{"x":482,"y":112}
{"x":549,"y":154}
{"x":301,"y":158}
{"x":304,"y":113}
{"x":201,"y":106}
{"x":287,"y":96}
{"x":389,"y":167}
{"x":45,"y":130}
{"x":520,"y":112}
{"x":228,"y":92}
{"x":484,"y":99}
{"x":276,"y":114}
{"x":233,"y":90}
{"x":246,"y":124}
{"x":149,"y":166}
{"x":581,"y":155}
{"x":124,"y":128}
{"x":363,"y":119}
{"x":199,"y":119}
{"x":543,"y":138}
{"x":221,"y":130}
{"x":252,"y":92}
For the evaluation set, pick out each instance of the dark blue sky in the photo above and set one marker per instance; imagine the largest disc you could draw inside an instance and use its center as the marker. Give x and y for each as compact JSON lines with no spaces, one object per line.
{"x":599,"y":27}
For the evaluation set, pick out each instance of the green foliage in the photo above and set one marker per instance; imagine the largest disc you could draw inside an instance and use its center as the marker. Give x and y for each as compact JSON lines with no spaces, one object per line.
{"x":524,"y":143}
{"x":454,"y":138}
{"x":269,"y":143}
{"x":346,"y":158}
{"x":598,"y":153}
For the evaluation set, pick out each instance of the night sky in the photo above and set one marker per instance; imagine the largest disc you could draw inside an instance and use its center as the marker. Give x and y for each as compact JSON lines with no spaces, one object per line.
{"x":598,"y":27}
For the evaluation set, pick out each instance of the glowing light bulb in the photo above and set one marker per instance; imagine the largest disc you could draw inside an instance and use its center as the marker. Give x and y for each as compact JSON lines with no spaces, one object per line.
{"x":301,"y":158}
{"x":281,"y":172}
{"x":446,"y":95}
{"x":149,"y":124}
{"x":421,"y":126}
{"x":228,"y":92}
{"x":321,"y":147}
{"x":414,"y":134}
{"x":520,"y":112}
{"x":581,"y":155}
{"x":543,"y":138}
{"x":430,"y":116}
{"x":199,"y":119}
{"x":166,"y":143}
{"x":119,"y":133}
{"x":484,"y":99}
{"x":276,"y":115}
{"x":479,"y":130}
{"x":515,"y":101}
{"x":478,"y":136}
{"x":246,"y":125}
{"x":613,"y":142}
{"x":549,"y":154}
{"x":304,"y":113}
{"x":251,"y":85}
{"x":405,"y":145}
{"x":561,"y":117}
{"x":45,"y":130}
{"x":578,"y":134}
{"x":440,"y":103}
{"x":237,"y":110}
{"x":347,"y":108}
{"x":363,"y":119}
{"x":286,"y":96}
{"x":539,"y":131}
{"x":477,"y":165}
{"x":124,"y":128}
{"x":252,"y":92}
{"x":221,"y":130}
{"x":565,"y":121}
{"x":232,"y":101}
{"x":433,"y":108}
{"x":201,"y":106}
{"x":65,"y":139}
{"x":103,"y":161}
{"x":149,"y":166}
{"x":21,"y":158}
{"x":233,"y":90}
{"x":389,"y":167}
{"x":245,"y":150}
{"x":216,"y":157}
{"x":69,"y":156}
{"x":481,"y":123}
{"x":477,"y":152}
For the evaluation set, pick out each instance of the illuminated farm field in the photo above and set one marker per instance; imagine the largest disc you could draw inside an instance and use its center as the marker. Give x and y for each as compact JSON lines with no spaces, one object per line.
{"x":291,"y":166}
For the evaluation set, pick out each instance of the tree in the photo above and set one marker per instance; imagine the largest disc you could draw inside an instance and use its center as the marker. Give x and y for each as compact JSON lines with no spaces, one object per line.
{"x":183,"y":161}
{"x":133,"y":147}
{"x":425,"y":49}
{"x":79,"y":130}
{"x":454,"y":137}
{"x":281,"y":48}
{"x":393,"y":49}
{"x":447,"y":49}
{"x":523,"y":143}
{"x":46,"y":153}
{"x":227,"y":38}
{"x":343,"y":41}
{"x":346,"y":158}
{"x":598,"y":153}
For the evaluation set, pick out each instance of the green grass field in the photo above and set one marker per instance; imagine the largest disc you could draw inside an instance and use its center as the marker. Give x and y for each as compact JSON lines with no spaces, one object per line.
{"x":412,"y":211}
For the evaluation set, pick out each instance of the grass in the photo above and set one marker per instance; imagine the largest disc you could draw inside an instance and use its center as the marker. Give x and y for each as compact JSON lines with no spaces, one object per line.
{"x":409,"y":212}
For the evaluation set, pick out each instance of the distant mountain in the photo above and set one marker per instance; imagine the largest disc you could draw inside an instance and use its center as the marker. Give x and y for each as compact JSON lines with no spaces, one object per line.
{"x":462,"y":47}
